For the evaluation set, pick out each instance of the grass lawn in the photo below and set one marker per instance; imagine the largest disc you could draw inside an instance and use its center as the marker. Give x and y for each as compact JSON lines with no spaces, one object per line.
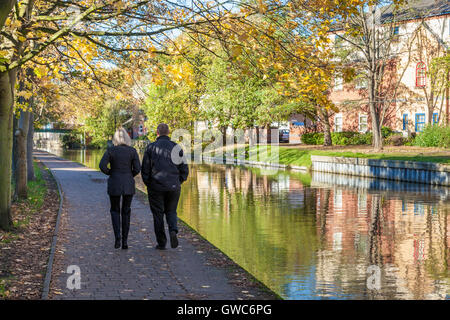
{"x":300,"y":155}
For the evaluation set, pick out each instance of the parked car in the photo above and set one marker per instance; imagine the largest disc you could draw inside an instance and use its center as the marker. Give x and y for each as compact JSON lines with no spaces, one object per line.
{"x":284,"y":135}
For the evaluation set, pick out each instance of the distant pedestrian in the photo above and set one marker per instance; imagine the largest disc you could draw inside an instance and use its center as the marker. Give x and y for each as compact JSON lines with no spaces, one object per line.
{"x":124,"y":166}
{"x":164,"y":169}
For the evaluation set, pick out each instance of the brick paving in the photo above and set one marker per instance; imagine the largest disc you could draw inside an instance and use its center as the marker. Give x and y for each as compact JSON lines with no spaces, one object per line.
{"x":86,"y":240}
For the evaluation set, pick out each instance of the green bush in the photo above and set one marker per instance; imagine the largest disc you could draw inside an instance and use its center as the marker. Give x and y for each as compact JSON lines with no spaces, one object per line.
{"x":361,"y":138}
{"x":342,"y":138}
{"x":433,"y":136}
{"x":386,"y":132}
{"x":315,"y":138}
{"x":338,"y":138}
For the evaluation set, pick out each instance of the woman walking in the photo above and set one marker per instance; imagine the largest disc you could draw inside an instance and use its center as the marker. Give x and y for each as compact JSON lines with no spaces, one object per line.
{"x":124,"y":166}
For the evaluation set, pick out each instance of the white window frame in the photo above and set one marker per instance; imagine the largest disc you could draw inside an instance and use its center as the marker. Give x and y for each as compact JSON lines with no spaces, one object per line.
{"x":362,"y":115}
{"x":362,"y":203}
{"x":337,"y":199}
{"x":336,"y":116}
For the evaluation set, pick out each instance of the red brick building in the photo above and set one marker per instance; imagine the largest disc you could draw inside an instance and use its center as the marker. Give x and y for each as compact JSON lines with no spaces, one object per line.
{"x":412,"y":99}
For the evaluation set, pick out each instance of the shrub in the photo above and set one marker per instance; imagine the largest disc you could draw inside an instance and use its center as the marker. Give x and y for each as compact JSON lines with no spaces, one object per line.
{"x":386,"y":132}
{"x":315,"y":138}
{"x":338,"y":138}
{"x":342,"y":138}
{"x":361,"y":138}
{"x":433,"y":136}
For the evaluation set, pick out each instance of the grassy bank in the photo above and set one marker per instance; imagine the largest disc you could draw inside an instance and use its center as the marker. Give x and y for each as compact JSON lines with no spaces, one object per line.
{"x":25,"y":248}
{"x":301,"y":155}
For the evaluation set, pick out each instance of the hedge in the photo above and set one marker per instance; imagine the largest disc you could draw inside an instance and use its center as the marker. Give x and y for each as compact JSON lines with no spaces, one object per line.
{"x":338,"y":138}
{"x":433,"y":136}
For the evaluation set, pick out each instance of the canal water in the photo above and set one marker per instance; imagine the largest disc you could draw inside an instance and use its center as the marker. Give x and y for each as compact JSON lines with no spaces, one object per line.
{"x":322,"y":236}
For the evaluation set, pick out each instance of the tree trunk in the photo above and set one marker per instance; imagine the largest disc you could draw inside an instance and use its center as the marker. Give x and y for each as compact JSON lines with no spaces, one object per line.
{"x":21,"y":166}
{"x":7,"y":81}
{"x":327,"y":128}
{"x":223,"y":130}
{"x":14,"y":148}
{"x":377,"y":139}
{"x":30,"y":145}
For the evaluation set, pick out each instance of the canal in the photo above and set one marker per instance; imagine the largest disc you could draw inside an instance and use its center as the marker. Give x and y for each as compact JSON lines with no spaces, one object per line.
{"x":322,"y":236}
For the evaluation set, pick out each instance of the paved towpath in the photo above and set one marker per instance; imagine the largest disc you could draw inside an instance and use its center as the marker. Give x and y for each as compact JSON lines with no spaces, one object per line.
{"x":85,"y":239}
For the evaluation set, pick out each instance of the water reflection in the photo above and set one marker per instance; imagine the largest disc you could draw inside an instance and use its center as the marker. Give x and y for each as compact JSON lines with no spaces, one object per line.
{"x":317,"y":240}
{"x":315,"y":237}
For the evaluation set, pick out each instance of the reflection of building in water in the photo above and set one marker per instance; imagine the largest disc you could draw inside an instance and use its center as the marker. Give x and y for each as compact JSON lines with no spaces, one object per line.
{"x":403,"y":233}
{"x":209,"y":185}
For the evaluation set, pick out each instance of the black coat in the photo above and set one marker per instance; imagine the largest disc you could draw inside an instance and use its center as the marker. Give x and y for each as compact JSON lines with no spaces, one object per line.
{"x":159,"y":171}
{"x":124,"y":166}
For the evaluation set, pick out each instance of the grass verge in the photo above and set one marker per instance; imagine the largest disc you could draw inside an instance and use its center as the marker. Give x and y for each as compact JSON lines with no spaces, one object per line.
{"x":37,"y":190}
{"x":302,"y":157}
{"x":25,"y":248}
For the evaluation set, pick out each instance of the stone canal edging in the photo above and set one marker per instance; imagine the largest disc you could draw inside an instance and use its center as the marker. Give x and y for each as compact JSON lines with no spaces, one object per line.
{"x":409,"y":171}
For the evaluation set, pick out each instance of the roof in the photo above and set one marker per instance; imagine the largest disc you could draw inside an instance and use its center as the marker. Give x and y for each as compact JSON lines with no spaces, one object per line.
{"x":416,"y":9}
{"x":413,"y":9}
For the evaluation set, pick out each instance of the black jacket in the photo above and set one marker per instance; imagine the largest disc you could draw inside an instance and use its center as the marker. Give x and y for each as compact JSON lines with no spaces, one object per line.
{"x":125,"y":165}
{"x":161,"y":171}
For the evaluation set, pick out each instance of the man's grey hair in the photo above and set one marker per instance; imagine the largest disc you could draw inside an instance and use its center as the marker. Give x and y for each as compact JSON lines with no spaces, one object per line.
{"x":121,"y":137}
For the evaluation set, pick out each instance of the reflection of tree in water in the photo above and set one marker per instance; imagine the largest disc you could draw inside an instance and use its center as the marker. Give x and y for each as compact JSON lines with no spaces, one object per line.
{"x":253,"y":221}
{"x":258,"y":221}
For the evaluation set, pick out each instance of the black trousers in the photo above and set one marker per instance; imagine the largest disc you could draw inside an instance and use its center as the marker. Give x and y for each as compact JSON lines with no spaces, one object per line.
{"x":117,"y":212}
{"x":164,"y":203}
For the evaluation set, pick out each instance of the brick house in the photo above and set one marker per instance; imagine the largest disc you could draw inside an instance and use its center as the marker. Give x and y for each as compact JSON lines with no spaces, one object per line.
{"x":421,"y":34}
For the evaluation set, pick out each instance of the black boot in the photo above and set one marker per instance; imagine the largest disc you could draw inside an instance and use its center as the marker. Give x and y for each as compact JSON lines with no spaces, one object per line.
{"x":125,"y":227}
{"x":115,"y":218}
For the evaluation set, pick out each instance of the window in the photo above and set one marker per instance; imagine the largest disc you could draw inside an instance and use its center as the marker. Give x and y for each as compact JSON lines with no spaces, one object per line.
{"x":338,"y":83}
{"x":337,"y":241}
{"x":420,"y":122}
{"x":405,"y":122}
{"x":362,"y":127}
{"x":338,"y":123}
{"x":421,"y":75}
{"x":338,"y":198}
{"x":435,"y":118}
{"x":362,"y":203}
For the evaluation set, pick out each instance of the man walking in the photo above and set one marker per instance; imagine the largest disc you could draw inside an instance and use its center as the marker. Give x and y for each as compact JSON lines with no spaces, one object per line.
{"x":164,"y":169}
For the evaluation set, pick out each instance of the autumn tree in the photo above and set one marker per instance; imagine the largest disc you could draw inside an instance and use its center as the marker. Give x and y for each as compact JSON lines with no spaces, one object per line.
{"x":378,"y":54}
{"x":110,"y":30}
{"x":284,"y":46}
